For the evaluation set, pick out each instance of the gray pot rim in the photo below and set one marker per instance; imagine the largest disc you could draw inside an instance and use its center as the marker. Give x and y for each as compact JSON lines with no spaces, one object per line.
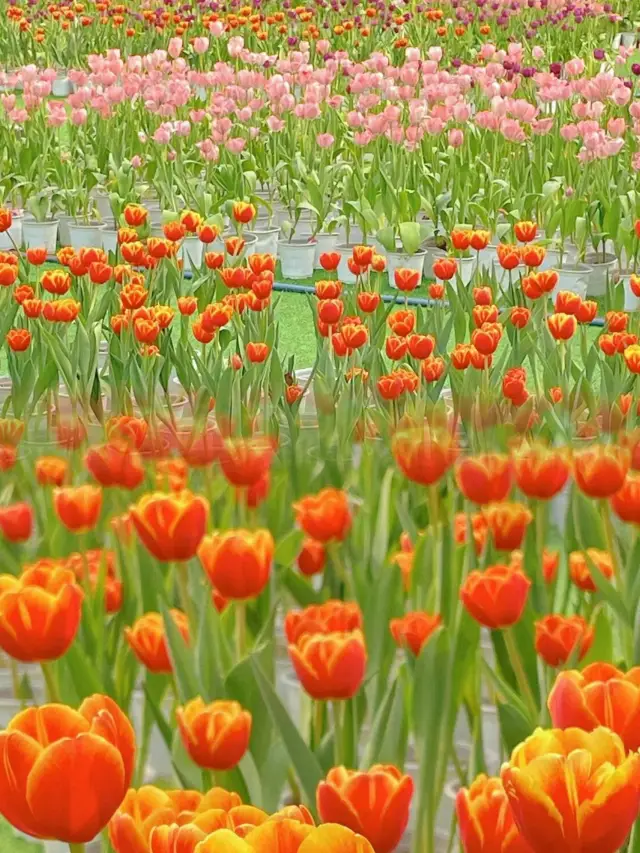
{"x":297,"y":242}
{"x":574,"y":268}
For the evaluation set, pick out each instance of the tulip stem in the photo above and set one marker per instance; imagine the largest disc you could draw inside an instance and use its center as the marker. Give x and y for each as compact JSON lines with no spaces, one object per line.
{"x":338,"y":742}
{"x":182,"y":577}
{"x":76,"y":848}
{"x":15,"y":683}
{"x":241,"y":629}
{"x":50,"y":681}
{"x":521,"y":675}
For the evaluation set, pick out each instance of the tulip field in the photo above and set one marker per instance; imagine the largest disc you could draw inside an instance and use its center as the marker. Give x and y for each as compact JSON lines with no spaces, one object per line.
{"x":320,"y":426}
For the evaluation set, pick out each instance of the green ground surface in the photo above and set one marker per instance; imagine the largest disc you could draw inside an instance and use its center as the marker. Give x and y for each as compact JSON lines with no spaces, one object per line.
{"x":10,"y":844}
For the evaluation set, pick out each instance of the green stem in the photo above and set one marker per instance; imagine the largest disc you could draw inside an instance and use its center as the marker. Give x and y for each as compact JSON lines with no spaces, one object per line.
{"x":318,"y":723}
{"x":53,"y":694}
{"x":15,"y":683}
{"x":521,"y":676}
{"x":207,"y":781}
{"x":182,"y":577}
{"x":241,"y":629}
{"x":76,"y":848}
{"x":338,"y":744}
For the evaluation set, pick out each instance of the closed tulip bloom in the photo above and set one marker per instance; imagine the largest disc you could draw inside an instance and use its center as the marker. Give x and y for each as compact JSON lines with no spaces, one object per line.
{"x":57,"y":282}
{"x":243,"y":212}
{"x":631,"y":357}
{"x":507,"y":523}
{"x":362,"y":256}
{"x":559,"y":637}
{"x":567,"y":302}
{"x":78,"y":507}
{"x":330,"y":311}
{"x":39,"y":613}
{"x":329,"y":260}
{"x":245,"y":461}
{"x":480,"y":240}
{"x":580,"y":563}
{"x":533,"y":255}
{"x":461,"y":356}
{"x":171,"y":526}
{"x":406,"y":280}
{"x":413,"y":630}
{"x":519,"y":316}
{"x":330,"y":289}
{"x":176,"y":839}
{"x":573,"y":790}
{"x":508,"y":255}
{"x":238,"y":562}
{"x":331,"y":617}
{"x":8,"y":274}
{"x":445,"y":268}
{"x":540,"y":471}
{"x":421,"y":346}
{"x":390,"y":387}
{"x":368,"y":301}
{"x":51,"y":470}
{"x":525,"y":231}
{"x":115,"y":464}
{"x":436,"y":290}
{"x":461,"y":238}
{"x":312,"y":557}
{"x":16,"y":521}
{"x":600,"y":470}
{"x":63,"y":773}
{"x":257,"y":352}
{"x":214,"y":260}
{"x":424,"y":455}
{"x":18,"y":339}
{"x":6,"y":219}
{"x":600,"y":695}
{"x":432,"y":368}
{"x":330,"y":666}
{"x":402,"y":322}
{"x":149,"y":643}
{"x":216,"y":736}
{"x":626,"y":502}
{"x":485,"y":819}
{"x":562,"y":326}
{"x":374,"y":803}
{"x":586,"y":311}
{"x":495,"y":597}
{"x":396,"y":347}
{"x":484,"y":478}
{"x":354,"y":335}
{"x":325,"y":516}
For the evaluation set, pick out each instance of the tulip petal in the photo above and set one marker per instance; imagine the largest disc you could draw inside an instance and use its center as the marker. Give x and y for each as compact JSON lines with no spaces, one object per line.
{"x":125,"y":836}
{"x":224,"y":841}
{"x":75,"y":787}
{"x":333,"y":808}
{"x":18,"y":754}
{"x":533,"y":805}
{"x":606,"y":821}
{"x":49,"y":723}
{"x":332,"y":838}
{"x":109,"y":720}
{"x":278,"y":836}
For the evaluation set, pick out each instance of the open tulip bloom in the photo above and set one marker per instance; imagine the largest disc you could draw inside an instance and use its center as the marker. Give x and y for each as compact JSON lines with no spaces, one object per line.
{"x":320,"y":426}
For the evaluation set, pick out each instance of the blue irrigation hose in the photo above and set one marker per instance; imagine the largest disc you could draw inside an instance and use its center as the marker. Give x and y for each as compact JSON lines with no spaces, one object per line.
{"x":300,"y":289}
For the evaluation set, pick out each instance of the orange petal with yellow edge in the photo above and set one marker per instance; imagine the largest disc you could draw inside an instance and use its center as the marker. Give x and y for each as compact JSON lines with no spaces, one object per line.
{"x":331,"y":838}
{"x":223,"y":841}
{"x":278,"y":836}
{"x":75,"y":787}
{"x":18,"y":755}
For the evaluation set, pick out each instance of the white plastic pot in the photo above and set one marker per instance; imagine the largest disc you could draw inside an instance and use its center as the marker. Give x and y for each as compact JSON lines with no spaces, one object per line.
{"x":296,"y":258}
{"x":64,"y":237}
{"x":602,"y":270}
{"x":83,"y":236}
{"x":109,"y":240}
{"x":61,"y":86}
{"x":631,"y":301}
{"x":266,"y":240}
{"x":345,"y":250}
{"x":13,"y":237}
{"x":574,"y":279}
{"x":191,"y":252}
{"x":324,"y":243}
{"x":36,"y":234}
{"x":400,"y":260}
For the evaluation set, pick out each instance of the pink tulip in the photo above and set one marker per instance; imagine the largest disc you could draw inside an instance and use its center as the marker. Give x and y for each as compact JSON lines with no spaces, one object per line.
{"x":325,"y":140}
{"x":235,"y":145}
{"x":216,"y":28}
{"x":200,"y":44}
{"x":456,"y":137}
{"x":175,"y":47}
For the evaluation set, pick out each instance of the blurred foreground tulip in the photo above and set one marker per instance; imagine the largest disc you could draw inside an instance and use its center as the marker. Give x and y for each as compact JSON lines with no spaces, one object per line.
{"x":485,"y":819}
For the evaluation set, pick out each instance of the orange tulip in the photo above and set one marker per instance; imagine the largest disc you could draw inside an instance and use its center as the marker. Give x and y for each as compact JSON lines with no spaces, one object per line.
{"x":445,"y":268}
{"x":485,"y":819}
{"x":312,"y":557}
{"x":480,"y":239}
{"x":586,"y":311}
{"x":484,"y":478}
{"x":495,"y":597}
{"x":413,"y":630}
{"x":238,"y":562}
{"x":573,"y":790}
{"x":16,"y":521}
{"x":325,"y":516}
{"x":562,"y":326}
{"x":406,"y":280}
{"x":332,"y":838}
{"x":330,"y":666}
{"x":329,"y":618}
{"x":149,"y":643}
{"x":533,"y":255}
{"x":508,"y":255}
{"x":245,"y":461}
{"x":257,"y":352}
{"x":374,"y":803}
{"x":558,"y":637}
{"x":600,"y":470}
{"x":51,"y":470}
{"x":126,"y":428}
{"x":18,"y":339}
{"x":580,"y":567}
{"x":6,"y":219}
{"x":243,"y":212}
{"x":63,"y":773}
{"x":424,"y":455}
{"x":368,"y":301}
{"x":362,"y":256}
{"x":330,"y":261}
{"x":540,"y":471}
{"x":507,"y":523}
{"x":525,"y":231}
{"x":600,"y":695}
{"x":171,"y":526}
{"x":216,"y":736}
{"x":626,"y":502}
{"x":78,"y":507}
{"x":461,"y":239}
{"x":278,"y":836}
{"x":39,"y":613}
{"x":115,"y":464}
{"x":330,"y":289}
